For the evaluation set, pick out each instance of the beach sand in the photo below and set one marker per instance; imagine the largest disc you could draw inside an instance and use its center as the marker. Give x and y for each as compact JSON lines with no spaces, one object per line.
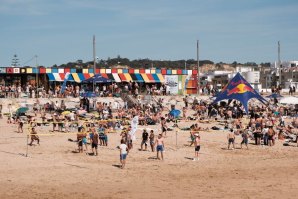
{"x":55,"y":170}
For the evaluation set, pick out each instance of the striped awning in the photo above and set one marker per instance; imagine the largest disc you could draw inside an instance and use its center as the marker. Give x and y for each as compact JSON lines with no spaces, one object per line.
{"x":125,"y":77}
{"x":153,"y":78}
{"x":137,"y":77}
{"x":112,"y":76}
{"x":161,"y":78}
{"x":78,"y":77}
{"x":58,"y":77}
{"x":116,"y":77}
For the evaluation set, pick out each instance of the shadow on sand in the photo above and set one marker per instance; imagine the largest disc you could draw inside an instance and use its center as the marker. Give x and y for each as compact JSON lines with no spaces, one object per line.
{"x":117,"y":166}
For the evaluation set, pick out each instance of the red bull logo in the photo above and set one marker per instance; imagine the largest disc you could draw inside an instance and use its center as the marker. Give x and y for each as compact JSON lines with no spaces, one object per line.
{"x":240,"y":88}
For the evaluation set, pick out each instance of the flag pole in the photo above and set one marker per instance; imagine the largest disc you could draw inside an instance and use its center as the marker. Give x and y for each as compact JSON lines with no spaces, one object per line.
{"x":198,"y":60}
{"x":94,"y":61}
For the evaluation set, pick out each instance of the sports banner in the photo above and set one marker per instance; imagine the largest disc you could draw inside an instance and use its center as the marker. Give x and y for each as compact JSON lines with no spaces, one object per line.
{"x":171,"y":81}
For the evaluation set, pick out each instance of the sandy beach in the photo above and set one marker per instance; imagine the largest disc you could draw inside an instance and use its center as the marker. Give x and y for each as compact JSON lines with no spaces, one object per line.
{"x":53,"y":169}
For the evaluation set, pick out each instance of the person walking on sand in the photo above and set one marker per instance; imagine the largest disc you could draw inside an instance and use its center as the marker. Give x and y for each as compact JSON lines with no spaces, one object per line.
{"x":151,"y":140}
{"x":245,"y":138}
{"x":164,"y":127}
{"x":231,"y":139}
{"x":34,"y":136}
{"x":159,"y":146}
{"x":94,"y":141}
{"x":20,"y":125}
{"x":123,"y":153}
{"x":271,"y":134}
{"x":197,"y":146}
{"x":144,"y":139}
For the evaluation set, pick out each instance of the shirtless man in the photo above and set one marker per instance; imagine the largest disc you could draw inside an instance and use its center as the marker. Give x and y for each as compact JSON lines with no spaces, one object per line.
{"x":271,"y":134}
{"x":34,"y":136}
{"x":231,"y":139}
{"x":163,"y":126}
{"x":94,"y":141}
{"x":159,"y":146}
{"x":197,"y":146}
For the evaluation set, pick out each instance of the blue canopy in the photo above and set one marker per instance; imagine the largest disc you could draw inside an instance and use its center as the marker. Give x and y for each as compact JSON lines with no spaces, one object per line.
{"x":239,"y":89}
{"x":88,"y":94}
{"x":96,"y":79}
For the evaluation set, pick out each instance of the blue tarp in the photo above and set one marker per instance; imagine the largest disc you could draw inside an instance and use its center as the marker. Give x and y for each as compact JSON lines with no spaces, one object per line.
{"x":96,"y":79}
{"x":239,"y":89}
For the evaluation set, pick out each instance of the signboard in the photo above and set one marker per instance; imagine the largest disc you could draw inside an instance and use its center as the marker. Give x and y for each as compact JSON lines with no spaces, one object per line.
{"x":171,"y":81}
{"x":16,"y":70}
{"x":2,"y":70}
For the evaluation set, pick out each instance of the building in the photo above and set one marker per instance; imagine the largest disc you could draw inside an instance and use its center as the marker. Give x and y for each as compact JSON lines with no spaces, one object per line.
{"x":180,"y":81}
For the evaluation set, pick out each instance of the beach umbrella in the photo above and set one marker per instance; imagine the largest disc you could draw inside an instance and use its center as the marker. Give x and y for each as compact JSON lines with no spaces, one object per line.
{"x":88,"y":94}
{"x":274,"y":95}
{"x":175,"y":113}
{"x":22,"y":110}
{"x":65,"y":112}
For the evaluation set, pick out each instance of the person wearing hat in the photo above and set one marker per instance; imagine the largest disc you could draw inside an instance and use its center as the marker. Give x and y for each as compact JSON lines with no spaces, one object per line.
{"x":197,"y":146}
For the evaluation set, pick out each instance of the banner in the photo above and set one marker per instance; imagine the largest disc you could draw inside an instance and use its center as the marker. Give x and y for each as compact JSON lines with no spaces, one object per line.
{"x":134,"y":126}
{"x":64,"y":83}
{"x":171,"y":81}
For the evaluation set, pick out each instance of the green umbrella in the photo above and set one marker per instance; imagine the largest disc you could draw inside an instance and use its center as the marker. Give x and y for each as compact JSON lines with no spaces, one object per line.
{"x":22,"y":110}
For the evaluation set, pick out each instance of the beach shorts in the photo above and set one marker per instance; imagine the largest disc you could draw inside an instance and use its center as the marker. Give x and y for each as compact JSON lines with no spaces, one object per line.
{"x":197,"y":148}
{"x":144,"y":142}
{"x":80,"y":143}
{"x":244,"y":141}
{"x":94,"y":145}
{"x":105,"y":138}
{"x":84,"y":140}
{"x":231,"y":140}
{"x":164,"y":129}
{"x":159,"y":148}
{"x":123,"y":156}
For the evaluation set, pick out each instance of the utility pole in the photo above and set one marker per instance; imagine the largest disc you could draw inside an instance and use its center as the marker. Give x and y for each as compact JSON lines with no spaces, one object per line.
{"x":94,"y":61}
{"x":36,"y":75}
{"x":198,"y":60}
{"x":279,"y":63}
{"x":15,"y":60}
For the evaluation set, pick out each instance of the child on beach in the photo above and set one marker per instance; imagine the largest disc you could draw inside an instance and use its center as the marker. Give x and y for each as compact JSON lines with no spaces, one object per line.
{"x":197,"y":146}
{"x":80,"y":142}
{"x":123,"y":153}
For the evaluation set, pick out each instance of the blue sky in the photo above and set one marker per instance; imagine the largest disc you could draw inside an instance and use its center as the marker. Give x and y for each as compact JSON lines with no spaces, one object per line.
{"x":59,"y":31}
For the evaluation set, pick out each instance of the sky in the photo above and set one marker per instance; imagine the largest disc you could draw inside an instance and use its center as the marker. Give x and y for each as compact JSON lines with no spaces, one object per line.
{"x":61,"y":31}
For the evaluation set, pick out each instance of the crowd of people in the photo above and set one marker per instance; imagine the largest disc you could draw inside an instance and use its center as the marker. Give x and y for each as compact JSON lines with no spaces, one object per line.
{"x":264,"y":125}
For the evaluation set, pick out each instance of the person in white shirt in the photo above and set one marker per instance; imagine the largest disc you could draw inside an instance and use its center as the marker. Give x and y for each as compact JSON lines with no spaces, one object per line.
{"x":123,"y":153}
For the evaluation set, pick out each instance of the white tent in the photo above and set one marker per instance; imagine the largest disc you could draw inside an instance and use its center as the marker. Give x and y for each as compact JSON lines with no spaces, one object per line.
{"x":289,"y":100}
